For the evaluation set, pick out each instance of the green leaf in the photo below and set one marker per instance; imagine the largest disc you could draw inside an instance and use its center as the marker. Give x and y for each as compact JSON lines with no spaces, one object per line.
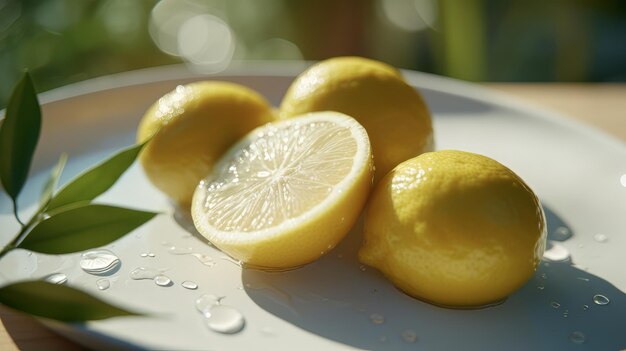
{"x":18,"y":136}
{"x":95,"y":181}
{"x":83,"y":227}
{"x":48,"y":189}
{"x":58,"y":302}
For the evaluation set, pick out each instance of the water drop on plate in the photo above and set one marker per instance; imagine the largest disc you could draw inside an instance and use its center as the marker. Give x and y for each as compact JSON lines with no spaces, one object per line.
{"x":600,"y":300}
{"x":585,"y":307}
{"x":144,"y":255}
{"x":56,"y":278}
{"x":601,"y":238}
{"x":556,"y":253}
{"x":555,"y":304}
{"x":187,"y":284}
{"x":99,"y":261}
{"x":103,"y":284}
{"x":577,"y":337}
{"x":562,"y":233}
{"x":143,"y":273}
{"x":363,"y":268}
{"x":224,"y":319}
{"x":204,"y":259}
{"x":377,"y":318}
{"x":177,"y":250}
{"x":409,"y":336}
{"x":206,"y":301}
{"x":162,"y":280}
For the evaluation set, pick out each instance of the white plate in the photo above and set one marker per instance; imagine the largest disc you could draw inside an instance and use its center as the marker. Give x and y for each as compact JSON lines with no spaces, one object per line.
{"x":327,"y":305}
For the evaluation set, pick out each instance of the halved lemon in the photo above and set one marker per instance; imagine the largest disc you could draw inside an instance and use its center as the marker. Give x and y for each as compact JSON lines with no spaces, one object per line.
{"x":288,"y":192}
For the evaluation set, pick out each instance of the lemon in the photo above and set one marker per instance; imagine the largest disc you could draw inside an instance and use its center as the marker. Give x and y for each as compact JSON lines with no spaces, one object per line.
{"x":191,"y":127}
{"x":454,"y":228}
{"x":288,"y":192}
{"x":393,"y":113}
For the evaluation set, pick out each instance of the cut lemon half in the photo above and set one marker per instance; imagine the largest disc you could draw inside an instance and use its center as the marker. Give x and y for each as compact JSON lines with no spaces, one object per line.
{"x":288,"y":192}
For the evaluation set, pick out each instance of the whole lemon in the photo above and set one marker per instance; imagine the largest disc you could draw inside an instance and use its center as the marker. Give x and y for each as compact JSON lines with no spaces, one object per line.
{"x":455,"y":229}
{"x":191,"y":127}
{"x":375,"y":94}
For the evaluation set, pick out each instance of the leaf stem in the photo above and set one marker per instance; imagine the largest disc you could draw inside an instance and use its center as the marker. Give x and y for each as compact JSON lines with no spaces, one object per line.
{"x":15,"y":213}
{"x":23,"y":231}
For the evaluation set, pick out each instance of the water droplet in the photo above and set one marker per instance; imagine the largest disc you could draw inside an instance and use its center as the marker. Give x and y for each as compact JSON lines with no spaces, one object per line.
{"x":363,"y":268}
{"x":224,"y":319}
{"x":583,"y":279}
{"x":204,"y":259}
{"x":377,"y":318}
{"x":267,"y":331}
{"x":162,"y":280}
{"x":187,"y":284}
{"x":585,"y":307}
{"x":622,"y":180}
{"x":99,"y":261}
{"x":565,"y":314}
{"x":409,"y":336}
{"x":577,"y":337}
{"x":143,"y":273}
{"x":543,"y":276}
{"x":150,"y":254}
{"x":556,"y":253}
{"x":56,"y":278}
{"x":206,"y":301}
{"x":562,"y":233}
{"x":555,"y":304}
{"x":177,"y":250}
{"x":600,"y":300}
{"x":601,"y":238}
{"x":103,"y":284}
{"x":540,"y":287}
{"x":144,"y":255}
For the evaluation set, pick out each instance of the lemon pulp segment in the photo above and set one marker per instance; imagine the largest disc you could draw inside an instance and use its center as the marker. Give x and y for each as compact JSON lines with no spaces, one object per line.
{"x":288,"y":192}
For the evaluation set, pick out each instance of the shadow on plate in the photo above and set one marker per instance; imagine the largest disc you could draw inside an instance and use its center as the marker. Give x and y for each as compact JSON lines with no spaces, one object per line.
{"x":337,"y":298}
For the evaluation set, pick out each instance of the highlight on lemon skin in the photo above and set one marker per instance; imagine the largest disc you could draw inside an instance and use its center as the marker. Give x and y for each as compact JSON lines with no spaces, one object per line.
{"x":455,"y":229}
{"x":288,"y":192}
{"x":375,"y":94}
{"x":191,"y":127}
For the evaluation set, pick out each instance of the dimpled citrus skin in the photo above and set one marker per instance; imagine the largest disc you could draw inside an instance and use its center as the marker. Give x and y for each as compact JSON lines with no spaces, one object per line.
{"x":375,"y":94}
{"x":455,"y":229}
{"x":192,"y":126}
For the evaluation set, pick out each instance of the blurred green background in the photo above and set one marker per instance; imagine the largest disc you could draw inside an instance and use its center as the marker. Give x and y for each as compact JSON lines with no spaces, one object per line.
{"x":64,"y":41}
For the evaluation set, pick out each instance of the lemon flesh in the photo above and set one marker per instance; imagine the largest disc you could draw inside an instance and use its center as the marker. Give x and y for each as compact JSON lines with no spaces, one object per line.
{"x":393,"y":113}
{"x":288,"y":192}
{"x":455,"y":229}
{"x":191,"y":127}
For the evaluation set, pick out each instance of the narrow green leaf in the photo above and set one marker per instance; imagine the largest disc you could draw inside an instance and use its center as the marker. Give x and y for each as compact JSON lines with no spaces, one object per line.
{"x":18,"y":136}
{"x":48,"y":189}
{"x":96,"y":180}
{"x":58,"y":302}
{"x":83,"y":227}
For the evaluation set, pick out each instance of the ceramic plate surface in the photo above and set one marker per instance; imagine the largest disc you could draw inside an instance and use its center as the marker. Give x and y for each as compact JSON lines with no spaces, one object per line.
{"x":335,"y":303}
